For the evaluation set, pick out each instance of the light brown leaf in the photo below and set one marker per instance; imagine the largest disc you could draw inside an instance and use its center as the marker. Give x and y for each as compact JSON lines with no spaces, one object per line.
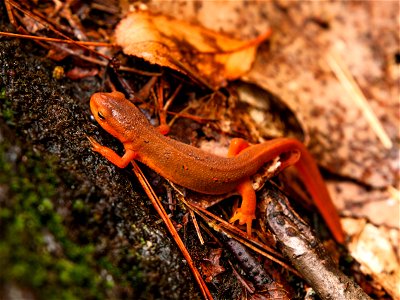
{"x":379,"y":206}
{"x":372,"y":248}
{"x":186,"y":47}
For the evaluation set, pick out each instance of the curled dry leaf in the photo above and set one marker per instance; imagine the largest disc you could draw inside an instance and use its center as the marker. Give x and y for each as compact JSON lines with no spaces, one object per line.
{"x":186,"y":47}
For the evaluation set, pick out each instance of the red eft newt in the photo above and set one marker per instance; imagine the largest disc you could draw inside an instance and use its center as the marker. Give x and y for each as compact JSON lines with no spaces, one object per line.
{"x":200,"y":171}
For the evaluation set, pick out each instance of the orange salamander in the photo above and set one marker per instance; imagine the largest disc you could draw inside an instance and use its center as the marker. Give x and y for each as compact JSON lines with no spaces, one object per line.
{"x":200,"y":171}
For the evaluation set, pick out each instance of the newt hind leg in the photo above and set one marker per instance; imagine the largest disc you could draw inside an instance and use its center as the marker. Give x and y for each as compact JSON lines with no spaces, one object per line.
{"x":245,"y":214}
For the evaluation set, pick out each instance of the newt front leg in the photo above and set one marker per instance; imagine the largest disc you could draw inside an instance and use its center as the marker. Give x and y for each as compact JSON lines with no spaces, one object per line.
{"x":121,"y":162}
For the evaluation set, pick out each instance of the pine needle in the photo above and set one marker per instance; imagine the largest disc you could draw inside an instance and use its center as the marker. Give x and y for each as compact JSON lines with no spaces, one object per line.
{"x":348,"y":82}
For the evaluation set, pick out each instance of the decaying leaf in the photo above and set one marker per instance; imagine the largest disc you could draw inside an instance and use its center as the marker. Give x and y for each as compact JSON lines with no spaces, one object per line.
{"x":380,"y":207}
{"x":212,"y":267}
{"x":371,"y":247}
{"x":185,"y":47}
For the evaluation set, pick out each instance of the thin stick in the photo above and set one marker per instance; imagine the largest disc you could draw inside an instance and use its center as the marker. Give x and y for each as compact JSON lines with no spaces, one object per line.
{"x":47,"y":39}
{"x":235,"y":233}
{"x":351,"y":86}
{"x":161,"y":211}
{"x":196,"y":225}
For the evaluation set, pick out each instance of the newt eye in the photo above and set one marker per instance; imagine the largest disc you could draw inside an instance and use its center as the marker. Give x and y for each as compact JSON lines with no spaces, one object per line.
{"x":101,"y":115}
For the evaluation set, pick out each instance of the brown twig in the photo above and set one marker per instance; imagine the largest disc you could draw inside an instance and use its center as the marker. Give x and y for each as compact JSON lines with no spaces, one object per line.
{"x":306,"y":253}
{"x":55,"y":40}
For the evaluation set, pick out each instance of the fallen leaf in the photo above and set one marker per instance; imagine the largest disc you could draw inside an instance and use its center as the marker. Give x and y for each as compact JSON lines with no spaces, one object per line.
{"x":187,"y":48}
{"x":379,"y":206}
{"x":210,"y":267}
{"x":372,"y":248}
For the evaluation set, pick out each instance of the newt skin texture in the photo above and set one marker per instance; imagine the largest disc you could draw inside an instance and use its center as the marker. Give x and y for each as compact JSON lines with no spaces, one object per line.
{"x":200,"y":171}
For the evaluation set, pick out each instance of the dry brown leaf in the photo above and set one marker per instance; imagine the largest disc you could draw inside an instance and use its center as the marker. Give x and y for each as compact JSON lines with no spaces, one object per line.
{"x":211,"y":267}
{"x":186,"y":47}
{"x":380,"y":207}
{"x":372,"y":248}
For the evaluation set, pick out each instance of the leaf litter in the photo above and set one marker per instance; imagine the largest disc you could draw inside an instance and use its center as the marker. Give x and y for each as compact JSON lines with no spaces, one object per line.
{"x":186,"y":47}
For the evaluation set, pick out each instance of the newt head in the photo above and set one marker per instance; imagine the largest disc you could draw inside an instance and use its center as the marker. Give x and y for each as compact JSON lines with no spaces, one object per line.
{"x":111,"y":111}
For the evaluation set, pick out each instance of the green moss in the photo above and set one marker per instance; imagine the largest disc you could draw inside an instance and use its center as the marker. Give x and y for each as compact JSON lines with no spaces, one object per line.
{"x":6,"y":111}
{"x":2,"y":93}
{"x":79,"y":205}
{"x":35,"y":249}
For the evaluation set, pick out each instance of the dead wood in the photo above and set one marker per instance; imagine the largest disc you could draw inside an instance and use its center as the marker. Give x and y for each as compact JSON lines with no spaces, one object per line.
{"x":306,"y":252}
